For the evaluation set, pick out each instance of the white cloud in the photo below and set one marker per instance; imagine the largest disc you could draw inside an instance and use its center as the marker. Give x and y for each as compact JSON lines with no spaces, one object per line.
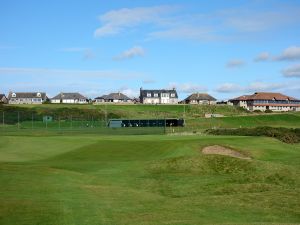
{"x":187,"y":87}
{"x":252,"y":87}
{"x":292,"y":71}
{"x":184,"y":32}
{"x":174,"y":22}
{"x":250,"y":20}
{"x":131,"y":93}
{"x":228,"y":88}
{"x":234,"y":63}
{"x":130,"y":53}
{"x":289,"y":54}
{"x":116,"y":21}
{"x":264,"y":56}
{"x":87,"y":53}
{"x":149,"y":81}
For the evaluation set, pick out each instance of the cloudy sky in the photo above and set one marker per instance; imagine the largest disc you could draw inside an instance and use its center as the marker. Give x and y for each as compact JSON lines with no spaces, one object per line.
{"x":225,"y":48}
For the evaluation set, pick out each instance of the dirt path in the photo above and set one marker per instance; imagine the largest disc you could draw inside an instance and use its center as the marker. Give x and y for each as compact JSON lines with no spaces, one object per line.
{"x":220,"y":150}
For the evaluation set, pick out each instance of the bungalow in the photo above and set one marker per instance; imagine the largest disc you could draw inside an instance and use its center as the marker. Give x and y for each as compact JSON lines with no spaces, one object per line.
{"x":200,"y":98}
{"x":113,"y":98}
{"x":161,"y":96}
{"x":3,"y":99}
{"x":69,"y":98}
{"x":267,"y":101}
{"x":27,"y":97}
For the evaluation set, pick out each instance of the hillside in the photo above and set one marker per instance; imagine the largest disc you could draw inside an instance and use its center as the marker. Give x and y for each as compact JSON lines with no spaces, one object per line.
{"x":127,"y":111}
{"x":82,"y":116}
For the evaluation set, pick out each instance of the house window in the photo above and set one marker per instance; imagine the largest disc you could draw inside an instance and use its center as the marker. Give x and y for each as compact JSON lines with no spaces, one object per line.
{"x":149,"y":95}
{"x":38,"y":94}
{"x":172,"y":95}
{"x":164,"y":95}
{"x":156,"y":95}
{"x":13,"y":95}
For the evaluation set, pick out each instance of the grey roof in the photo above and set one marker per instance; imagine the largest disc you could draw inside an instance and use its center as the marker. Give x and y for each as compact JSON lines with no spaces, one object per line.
{"x":200,"y":96}
{"x":101,"y":97}
{"x":2,"y":95}
{"x":114,"y":96}
{"x":27,"y":95}
{"x":69,"y":96}
{"x":143,"y":93}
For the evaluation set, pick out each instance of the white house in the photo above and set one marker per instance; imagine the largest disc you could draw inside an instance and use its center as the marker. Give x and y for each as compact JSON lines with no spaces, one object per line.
{"x":158,"y":96}
{"x":201,"y":99}
{"x":69,"y":98}
{"x":26,"y":97}
{"x":3,"y":99}
{"x":113,"y":98}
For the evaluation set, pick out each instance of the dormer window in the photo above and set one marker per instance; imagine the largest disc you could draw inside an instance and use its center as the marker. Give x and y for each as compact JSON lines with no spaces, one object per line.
{"x":38,"y":94}
{"x":172,"y":95}
{"x":13,"y":95}
{"x":155,"y":95}
{"x":149,"y":95}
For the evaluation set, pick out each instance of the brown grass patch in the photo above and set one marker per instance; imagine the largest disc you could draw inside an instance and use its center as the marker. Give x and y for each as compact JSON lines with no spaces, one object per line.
{"x":220,"y":150}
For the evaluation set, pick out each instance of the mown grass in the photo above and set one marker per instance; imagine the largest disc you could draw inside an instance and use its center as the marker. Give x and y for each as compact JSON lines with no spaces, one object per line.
{"x":92,"y":179}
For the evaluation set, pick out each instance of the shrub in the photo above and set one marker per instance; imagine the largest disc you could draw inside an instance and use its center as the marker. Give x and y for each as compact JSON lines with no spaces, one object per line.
{"x":283,"y":134}
{"x":268,"y":111}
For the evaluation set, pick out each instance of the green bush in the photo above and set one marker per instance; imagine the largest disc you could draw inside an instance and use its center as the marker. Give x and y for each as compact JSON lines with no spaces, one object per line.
{"x":286,"y":135}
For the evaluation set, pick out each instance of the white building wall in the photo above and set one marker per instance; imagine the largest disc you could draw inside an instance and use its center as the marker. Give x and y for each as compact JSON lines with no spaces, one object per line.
{"x":55,"y":101}
{"x":68,"y":101}
{"x":25,"y":101}
{"x":151,"y":101}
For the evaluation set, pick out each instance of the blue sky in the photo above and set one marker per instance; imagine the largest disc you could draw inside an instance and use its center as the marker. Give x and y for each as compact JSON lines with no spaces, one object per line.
{"x":225,"y":48}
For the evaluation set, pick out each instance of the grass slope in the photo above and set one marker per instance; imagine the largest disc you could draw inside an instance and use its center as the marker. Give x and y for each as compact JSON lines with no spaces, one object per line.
{"x":93,"y":116}
{"x":90,"y":179}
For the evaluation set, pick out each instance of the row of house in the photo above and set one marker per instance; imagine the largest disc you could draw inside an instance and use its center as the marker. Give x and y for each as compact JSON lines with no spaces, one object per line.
{"x":261,"y":101}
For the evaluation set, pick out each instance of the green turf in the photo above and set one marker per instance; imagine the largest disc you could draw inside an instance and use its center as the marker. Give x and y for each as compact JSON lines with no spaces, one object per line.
{"x":92,"y":179}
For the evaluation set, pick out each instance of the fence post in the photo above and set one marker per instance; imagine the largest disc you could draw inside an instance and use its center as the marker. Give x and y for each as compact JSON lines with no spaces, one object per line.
{"x":105,"y":114}
{"x":3,"y":120}
{"x":18,"y":120}
{"x":58,"y":122}
{"x":32,"y":121}
{"x":71,"y":123}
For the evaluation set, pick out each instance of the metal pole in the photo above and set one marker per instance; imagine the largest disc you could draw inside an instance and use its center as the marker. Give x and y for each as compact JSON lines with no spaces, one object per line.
{"x":59,"y":122}
{"x":46,"y":122}
{"x":71,"y":123}
{"x":32,"y":121}
{"x":18,"y":120}
{"x":105,"y":114}
{"x":3,"y":120}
